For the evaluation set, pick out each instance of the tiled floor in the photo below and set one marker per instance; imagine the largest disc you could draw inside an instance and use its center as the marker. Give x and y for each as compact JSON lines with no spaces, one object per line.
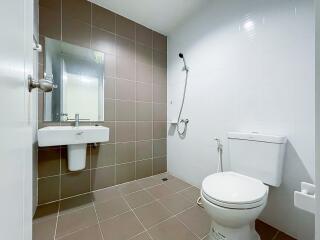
{"x":146,"y":209}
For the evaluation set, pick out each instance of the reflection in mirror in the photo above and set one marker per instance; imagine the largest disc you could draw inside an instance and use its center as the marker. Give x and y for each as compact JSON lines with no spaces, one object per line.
{"x":79,"y":75}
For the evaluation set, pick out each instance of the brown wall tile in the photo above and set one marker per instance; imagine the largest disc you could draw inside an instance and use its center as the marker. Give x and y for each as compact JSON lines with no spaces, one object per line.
{"x":143,"y":72}
{"x":159,"y":165}
{"x":52,"y":4}
{"x":143,"y":131}
{"x":125,"y":48}
{"x":159,"y":147}
{"x":110,"y":65}
{"x":125,"y":90}
{"x":125,"y":111}
{"x":102,"y":177}
{"x":126,"y":131}
{"x":125,"y":173}
{"x":50,"y":23}
{"x":103,"y":41}
{"x":125,"y":152}
{"x":135,"y":99}
{"x":143,"y":35}
{"x":48,"y":162}
{"x":159,"y":42}
{"x":144,"y":168}
{"x":75,"y":183}
{"x":143,"y":150}
{"x":78,"y":9}
{"x":103,"y":18}
{"x":160,"y":93}
{"x":159,"y":112}
{"x":143,"y":54}
{"x":48,"y":189}
{"x":125,"y":27}
{"x":109,"y":110}
{"x":110,"y":88}
{"x":76,"y":32}
{"x":144,"y":92}
{"x":159,"y":130}
{"x":143,"y":111}
{"x":125,"y":68}
{"x":103,"y":155}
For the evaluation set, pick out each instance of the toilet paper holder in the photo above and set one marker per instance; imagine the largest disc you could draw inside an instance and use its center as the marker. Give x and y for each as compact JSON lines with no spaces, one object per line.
{"x":306,"y":199}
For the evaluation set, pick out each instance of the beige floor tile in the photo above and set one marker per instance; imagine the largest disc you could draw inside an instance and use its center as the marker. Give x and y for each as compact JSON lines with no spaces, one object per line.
{"x":75,"y":203}
{"x":74,"y":221}
{"x":176,"y":185}
{"x":176,"y":203}
{"x":152,"y":214}
{"x":191,"y":194}
{"x":171,"y":229}
{"x":90,"y":233}
{"x":142,"y":236}
{"x":160,"y":191}
{"x":197,"y":220}
{"x":44,"y":230}
{"x":114,"y":207}
{"x":130,"y":187}
{"x":122,"y":227}
{"x":149,"y":182}
{"x":105,"y":194}
{"x":139,"y":198}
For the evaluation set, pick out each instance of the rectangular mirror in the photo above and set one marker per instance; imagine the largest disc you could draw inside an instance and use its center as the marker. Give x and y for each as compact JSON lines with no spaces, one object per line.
{"x":78,"y":74}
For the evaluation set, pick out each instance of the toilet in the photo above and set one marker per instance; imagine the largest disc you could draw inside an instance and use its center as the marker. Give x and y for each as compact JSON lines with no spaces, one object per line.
{"x":235,"y":199}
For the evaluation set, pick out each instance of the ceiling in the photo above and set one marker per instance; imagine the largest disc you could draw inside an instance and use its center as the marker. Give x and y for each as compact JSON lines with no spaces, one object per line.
{"x":159,"y":15}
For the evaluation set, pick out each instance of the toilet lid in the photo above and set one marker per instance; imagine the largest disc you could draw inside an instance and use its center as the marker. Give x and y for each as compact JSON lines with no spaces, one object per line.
{"x":234,"y":188}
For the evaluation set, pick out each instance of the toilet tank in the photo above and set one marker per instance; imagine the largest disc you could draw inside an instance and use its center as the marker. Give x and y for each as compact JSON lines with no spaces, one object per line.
{"x":257,"y":155}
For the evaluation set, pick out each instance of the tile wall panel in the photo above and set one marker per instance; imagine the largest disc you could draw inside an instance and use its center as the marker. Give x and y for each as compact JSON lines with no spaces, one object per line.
{"x":135,"y":99}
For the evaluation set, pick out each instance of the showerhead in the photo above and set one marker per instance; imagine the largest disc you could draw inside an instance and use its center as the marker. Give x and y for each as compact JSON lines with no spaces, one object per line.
{"x":185,"y":68}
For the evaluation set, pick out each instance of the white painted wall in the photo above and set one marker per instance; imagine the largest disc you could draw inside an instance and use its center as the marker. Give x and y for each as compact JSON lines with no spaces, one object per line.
{"x":252,"y":69}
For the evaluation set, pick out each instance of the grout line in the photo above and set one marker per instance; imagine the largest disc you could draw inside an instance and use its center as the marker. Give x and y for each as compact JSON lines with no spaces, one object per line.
{"x":114,"y":186}
{"x":146,"y":230}
{"x":135,"y":98}
{"x":117,"y":164}
{"x":276,"y":235}
{"x":175,"y":215}
{"x":55,"y":230}
{"x":95,"y":211}
{"x":122,"y":196}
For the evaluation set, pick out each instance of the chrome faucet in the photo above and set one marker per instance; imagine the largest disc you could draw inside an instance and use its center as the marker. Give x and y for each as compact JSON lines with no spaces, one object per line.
{"x":76,"y":119}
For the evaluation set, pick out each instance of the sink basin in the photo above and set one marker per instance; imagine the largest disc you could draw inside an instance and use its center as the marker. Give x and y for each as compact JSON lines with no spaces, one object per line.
{"x":68,"y":135}
{"x":76,"y":138}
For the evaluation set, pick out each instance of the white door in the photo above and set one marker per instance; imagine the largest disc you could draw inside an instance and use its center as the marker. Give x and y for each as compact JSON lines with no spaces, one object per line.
{"x":16,"y":18}
{"x":317,"y":160}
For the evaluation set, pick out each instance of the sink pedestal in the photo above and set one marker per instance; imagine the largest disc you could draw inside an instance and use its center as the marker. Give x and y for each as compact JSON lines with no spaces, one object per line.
{"x":77,"y":154}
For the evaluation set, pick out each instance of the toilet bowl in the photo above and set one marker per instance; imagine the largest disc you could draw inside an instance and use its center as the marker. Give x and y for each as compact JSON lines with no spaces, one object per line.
{"x":233,"y":201}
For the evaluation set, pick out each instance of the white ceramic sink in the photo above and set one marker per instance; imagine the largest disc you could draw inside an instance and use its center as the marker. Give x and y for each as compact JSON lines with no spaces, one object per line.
{"x":68,"y":135}
{"x":76,"y":138}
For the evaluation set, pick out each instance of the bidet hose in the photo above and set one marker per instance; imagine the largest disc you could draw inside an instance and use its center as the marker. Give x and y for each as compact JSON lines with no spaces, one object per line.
{"x":220,"y":166}
{"x":199,"y":202}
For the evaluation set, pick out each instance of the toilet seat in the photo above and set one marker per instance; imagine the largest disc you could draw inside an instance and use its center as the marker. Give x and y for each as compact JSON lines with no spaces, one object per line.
{"x":233,"y":190}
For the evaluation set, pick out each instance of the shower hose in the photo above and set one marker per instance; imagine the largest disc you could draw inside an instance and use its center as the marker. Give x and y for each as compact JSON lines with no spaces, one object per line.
{"x":182,"y":123}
